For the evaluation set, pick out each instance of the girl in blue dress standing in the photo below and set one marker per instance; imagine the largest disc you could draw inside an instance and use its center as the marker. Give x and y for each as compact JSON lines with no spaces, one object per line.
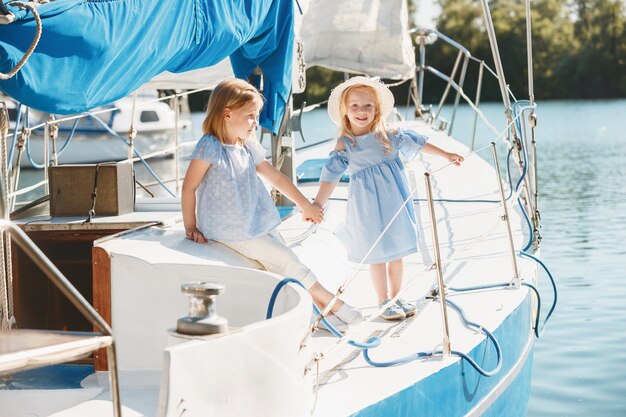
{"x":378,"y":184}
{"x":223,"y":198}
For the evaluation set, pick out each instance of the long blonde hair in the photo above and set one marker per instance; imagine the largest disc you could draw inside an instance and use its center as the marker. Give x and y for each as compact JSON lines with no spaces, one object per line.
{"x":232,"y":93}
{"x":378,"y":124}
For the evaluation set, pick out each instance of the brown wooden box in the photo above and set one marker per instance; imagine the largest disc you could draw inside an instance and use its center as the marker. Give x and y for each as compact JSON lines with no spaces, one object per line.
{"x":71,"y":188}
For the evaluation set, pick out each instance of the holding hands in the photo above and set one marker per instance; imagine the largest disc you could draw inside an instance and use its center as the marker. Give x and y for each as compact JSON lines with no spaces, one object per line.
{"x":313,"y":212}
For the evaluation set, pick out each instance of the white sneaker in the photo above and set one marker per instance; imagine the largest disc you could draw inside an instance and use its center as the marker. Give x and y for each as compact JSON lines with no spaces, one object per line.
{"x":408,"y":308}
{"x":349,"y":314}
{"x":393,"y":312}
{"x":334,"y":321}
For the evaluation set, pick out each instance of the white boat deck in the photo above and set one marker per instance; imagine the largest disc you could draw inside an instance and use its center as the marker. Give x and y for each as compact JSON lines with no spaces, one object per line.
{"x":474,"y":251}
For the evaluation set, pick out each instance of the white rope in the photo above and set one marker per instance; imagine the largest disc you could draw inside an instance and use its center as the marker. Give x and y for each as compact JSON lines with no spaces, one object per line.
{"x":4,"y":295}
{"x":33,"y":44}
{"x":9,"y":277}
{"x":500,"y":137}
{"x":27,"y":189}
{"x":7,"y":271}
{"x":397,"y":83}
{"x":6,"y":278}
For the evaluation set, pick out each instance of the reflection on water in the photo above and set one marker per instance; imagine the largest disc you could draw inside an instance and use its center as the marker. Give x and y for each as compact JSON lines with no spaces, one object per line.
{"x":579,"y":364}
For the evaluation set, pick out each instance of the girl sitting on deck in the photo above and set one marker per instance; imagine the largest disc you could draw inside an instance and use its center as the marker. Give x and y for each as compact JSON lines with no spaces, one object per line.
{"x":224,"y":199}
{"x":378,"y":185}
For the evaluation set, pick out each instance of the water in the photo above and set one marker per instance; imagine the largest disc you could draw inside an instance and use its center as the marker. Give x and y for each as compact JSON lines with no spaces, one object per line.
{"x":579,"y":366}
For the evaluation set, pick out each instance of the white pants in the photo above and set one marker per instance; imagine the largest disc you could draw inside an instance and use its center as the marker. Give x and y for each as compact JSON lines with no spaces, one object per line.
{"x":273,"y":255}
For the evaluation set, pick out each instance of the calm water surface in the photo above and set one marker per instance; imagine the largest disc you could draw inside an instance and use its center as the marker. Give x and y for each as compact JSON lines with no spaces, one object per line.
{"x":580,"y":362}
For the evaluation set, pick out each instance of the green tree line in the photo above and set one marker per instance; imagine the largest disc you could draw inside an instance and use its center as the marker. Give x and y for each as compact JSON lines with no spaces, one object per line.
{"x":578,"y":49}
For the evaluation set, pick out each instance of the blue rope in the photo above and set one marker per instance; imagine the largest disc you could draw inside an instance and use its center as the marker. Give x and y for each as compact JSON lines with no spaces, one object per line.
{"x":539,"y":331}
{"x":30,"y":159}
{"x":400,"y":361}
{"x":468,"y":323}
{"x":279,"y":286}
{"x":59,"y":153}
{"x":70,"y":136}
{"x":531,"y":234}
{"x":374,"y":342}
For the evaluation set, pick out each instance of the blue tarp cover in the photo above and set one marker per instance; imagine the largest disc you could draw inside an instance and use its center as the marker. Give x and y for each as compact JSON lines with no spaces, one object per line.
{"x":96,"y":51}
{"x":311,"y":169}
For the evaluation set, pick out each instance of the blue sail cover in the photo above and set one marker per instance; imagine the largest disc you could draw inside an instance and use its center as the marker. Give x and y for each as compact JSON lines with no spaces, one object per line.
{"x":97,"y":51}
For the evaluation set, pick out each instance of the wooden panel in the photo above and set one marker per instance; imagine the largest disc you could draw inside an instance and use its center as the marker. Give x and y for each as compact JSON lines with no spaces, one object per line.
{"x":101,"y":267}
{"x":38,"y":304}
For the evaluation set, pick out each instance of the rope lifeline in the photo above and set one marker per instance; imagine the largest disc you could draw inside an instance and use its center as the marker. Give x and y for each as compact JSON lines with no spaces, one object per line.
{"x":33,"y":44}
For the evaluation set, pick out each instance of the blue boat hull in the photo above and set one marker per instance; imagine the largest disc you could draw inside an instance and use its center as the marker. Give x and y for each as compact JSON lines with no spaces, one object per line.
{"x":459,"y":390}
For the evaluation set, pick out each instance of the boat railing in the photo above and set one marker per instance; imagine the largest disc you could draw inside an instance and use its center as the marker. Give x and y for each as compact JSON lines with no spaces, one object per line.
{"x":517,"y":191}
{"x":22,"y":135}
{"x":522,"y":130}
{"x":427,"y":37}
{"x":50,"y":129}
{"x":22,"y":349}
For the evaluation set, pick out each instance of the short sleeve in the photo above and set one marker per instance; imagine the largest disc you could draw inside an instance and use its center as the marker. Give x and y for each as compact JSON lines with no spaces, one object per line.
{"x":208,"y":149}
{"x":256,"y":150}
{"x":335,"y":166}
{"x":410,"y":143}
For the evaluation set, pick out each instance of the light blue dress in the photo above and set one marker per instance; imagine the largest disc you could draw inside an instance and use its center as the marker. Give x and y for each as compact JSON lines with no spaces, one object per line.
{"x":232,"y":204}
{"x":378,"y":188}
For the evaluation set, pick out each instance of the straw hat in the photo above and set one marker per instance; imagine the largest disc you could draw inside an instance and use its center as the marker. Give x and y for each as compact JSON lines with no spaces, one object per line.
{"x":386,"y":98}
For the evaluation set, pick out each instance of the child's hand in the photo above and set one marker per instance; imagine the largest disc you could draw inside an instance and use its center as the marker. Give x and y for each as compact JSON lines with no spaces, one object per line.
{"x":196,"y":235}
{"x":455,"y":158}
{"x":317,"y":204}
{"x":313,"y":213}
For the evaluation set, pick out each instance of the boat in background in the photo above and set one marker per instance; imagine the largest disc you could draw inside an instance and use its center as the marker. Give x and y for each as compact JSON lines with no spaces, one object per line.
{"x":142,"y":111}
{"x":101,"y":134}
{"x":468,"y":350}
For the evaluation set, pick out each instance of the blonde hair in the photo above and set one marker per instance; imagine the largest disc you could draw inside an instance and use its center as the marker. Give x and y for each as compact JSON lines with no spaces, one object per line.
{"x":378,"y":124}
{"x":232,"y":93}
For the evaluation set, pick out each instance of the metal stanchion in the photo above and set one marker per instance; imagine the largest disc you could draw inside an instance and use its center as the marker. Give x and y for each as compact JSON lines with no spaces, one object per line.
{"x":177,"y":142}
{"x":442,"y":292}
{"x":506,"y":215}
{"x":114,"y":380}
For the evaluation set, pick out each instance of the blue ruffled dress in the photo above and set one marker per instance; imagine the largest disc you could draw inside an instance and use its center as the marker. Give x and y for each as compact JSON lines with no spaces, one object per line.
{"x":378,"y":188}
{"x":232,"y":204}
